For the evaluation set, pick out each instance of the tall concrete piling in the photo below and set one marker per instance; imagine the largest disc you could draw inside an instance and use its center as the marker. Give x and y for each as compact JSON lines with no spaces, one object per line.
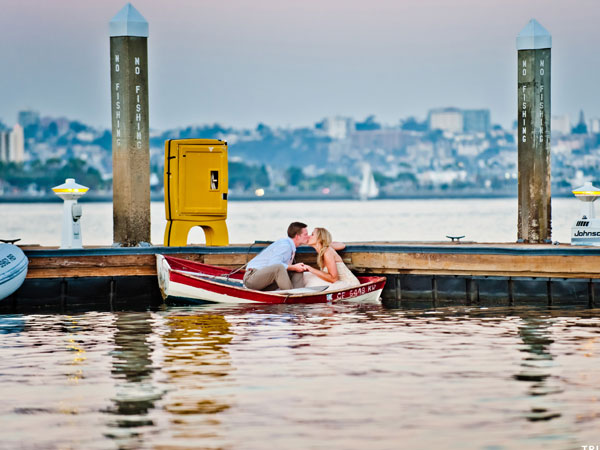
{"x":534,"y":45}
{"x":130,"y":129}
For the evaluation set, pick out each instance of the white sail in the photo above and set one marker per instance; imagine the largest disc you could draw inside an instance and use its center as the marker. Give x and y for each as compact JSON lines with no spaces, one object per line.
{"x":368,"y":187}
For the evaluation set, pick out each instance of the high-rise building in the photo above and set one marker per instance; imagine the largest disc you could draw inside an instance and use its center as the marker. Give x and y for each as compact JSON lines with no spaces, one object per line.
{"x":12,"y":145}
{"x":4,"y":145}
{"x":476,"y":120}
{"x":455,"y":120}
{"x":581,"y":127}
{"x":17,"y":144}
{"x":594,"y":125}
{"x":28,"y":117}
{"x":338,"y":127}
{"x":446,"y":119}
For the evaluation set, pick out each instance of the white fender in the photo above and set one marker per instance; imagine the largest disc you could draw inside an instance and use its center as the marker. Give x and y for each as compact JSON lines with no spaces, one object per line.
{"x":13,"y":269}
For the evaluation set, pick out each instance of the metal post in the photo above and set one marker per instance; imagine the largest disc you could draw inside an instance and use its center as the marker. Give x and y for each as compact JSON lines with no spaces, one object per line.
{"x":533,"y":133}
{"x":472,"y":291}
{"x":111,"y":293}
{"x":398,"y":288}
{"x":130,"y":128}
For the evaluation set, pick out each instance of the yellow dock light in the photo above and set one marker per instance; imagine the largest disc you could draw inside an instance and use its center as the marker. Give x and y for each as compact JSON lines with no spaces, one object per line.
{"x":196,"y":185}
{"x":587,"y":228}
{"x":587,"y":192}
{"x":70,"y":192}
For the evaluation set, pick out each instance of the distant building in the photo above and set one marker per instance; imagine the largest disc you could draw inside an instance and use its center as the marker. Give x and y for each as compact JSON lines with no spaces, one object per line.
{"x":594,"y":125}
{"x":560,"y":124}
{"x":17,"y":144}
{"x":446,"y":119}
{"x":28,"y":117}
{"x":440,"y":177}
{"x":581,"y":127}
{"x":4,"y":145}
{"x":470,"y":146}
{"x":457,"y":121}
{"x":385,"y":139}
{"x":338,"y":127}
{"x":476,"y":120}
{"x":12,"y":145}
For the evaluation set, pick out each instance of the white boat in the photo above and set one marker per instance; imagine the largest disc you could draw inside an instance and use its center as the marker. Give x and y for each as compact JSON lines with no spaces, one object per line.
{"x":13,"y":269}
{"x":368,"y":188}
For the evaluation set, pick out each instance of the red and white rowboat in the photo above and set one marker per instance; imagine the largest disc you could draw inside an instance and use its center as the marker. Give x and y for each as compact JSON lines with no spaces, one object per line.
{"x":182,"y":279}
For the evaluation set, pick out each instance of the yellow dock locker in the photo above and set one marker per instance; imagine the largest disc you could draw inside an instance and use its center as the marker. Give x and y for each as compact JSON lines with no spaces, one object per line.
{"x":196,"y":187}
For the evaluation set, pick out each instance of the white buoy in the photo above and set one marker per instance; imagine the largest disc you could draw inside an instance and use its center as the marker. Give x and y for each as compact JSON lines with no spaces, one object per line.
{"x":587,"y":228}
{"x":70,"y":192}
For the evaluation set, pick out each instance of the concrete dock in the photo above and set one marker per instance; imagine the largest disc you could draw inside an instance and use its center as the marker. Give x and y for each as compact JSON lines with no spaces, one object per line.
{"x":419,"y":274}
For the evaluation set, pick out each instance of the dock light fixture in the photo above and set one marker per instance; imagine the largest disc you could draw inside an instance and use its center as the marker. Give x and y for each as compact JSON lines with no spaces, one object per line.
{"x":586,"y":230}
{"x":70,"y":192}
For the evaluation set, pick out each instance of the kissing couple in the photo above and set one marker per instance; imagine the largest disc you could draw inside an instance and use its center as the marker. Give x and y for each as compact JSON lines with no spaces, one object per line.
{"x":274,"y":267}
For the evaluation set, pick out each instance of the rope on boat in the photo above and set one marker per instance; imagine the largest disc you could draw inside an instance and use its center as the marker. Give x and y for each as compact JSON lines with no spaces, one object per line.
{"x":247,"y":254}
{"x":235,"y":271}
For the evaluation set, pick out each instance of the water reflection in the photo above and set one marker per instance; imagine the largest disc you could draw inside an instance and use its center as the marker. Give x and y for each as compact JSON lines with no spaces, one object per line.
{"x":132,"y":367}
{"x":198,"y":368}
{"x":301,"y":375}
{"x":76,"y":347}
{"x":537,"y":366}
{"x":11,"y":324}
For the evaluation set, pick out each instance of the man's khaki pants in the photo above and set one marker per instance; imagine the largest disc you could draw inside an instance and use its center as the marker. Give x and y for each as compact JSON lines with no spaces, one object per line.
{"x":272,"y":278}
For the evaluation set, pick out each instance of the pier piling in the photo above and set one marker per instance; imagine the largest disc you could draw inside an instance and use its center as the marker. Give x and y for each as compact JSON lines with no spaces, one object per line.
{"x":130,"y":127}
{"x":533,"y":133}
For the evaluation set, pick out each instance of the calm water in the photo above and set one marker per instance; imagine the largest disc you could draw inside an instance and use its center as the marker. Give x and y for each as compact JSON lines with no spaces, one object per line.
{"x":302,"y":376}
{"x":481,"y":220}
{"x":299,"y":377}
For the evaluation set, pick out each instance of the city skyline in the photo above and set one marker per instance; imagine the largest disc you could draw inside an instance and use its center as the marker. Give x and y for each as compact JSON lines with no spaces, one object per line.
{"x":291,"y":64}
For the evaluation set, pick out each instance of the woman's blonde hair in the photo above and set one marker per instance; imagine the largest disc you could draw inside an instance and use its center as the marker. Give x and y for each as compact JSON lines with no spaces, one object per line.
{"x":324,"y":238}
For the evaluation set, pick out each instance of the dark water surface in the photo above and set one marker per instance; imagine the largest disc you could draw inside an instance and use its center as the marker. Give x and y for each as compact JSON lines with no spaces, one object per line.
{"x":295,"y":376}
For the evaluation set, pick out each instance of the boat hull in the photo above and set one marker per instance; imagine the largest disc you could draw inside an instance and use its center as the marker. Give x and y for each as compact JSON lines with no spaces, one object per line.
{"x":182,"y":279}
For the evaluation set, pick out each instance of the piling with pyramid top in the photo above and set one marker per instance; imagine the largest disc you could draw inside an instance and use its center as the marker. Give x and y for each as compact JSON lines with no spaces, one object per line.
{"x":130,"y":127}
{"x":534,"y":45}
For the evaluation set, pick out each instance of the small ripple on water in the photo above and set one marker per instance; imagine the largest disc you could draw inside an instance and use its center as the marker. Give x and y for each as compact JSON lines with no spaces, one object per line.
{"x":352,"y":376}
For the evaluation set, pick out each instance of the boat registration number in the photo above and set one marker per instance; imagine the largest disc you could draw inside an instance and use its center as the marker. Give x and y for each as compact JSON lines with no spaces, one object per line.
{"x":352,"y":293}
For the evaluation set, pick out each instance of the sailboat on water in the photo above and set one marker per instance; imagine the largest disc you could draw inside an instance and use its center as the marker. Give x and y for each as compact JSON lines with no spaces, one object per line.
{"x":368,"y":188}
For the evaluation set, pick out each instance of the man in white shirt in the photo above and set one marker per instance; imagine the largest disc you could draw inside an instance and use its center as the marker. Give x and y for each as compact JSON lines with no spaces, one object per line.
{"x":273,"y":268}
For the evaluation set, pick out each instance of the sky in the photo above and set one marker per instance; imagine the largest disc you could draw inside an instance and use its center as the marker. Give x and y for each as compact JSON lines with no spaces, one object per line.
{"x":291,"y":63}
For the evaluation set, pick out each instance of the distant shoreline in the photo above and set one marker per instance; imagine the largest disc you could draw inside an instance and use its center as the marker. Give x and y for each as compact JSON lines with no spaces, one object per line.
{"x":424,"y":195}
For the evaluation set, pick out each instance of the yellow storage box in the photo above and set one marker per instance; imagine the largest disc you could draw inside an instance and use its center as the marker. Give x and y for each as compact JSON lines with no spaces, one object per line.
{"x":196,"y":185}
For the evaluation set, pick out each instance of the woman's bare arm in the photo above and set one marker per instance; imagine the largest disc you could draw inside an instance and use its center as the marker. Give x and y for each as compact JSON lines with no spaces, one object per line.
{"x":331,"y":275}
{"x":338,"y":246}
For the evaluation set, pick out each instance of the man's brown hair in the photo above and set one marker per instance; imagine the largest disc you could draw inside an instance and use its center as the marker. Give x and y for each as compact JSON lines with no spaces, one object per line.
{"x":295,"y":228}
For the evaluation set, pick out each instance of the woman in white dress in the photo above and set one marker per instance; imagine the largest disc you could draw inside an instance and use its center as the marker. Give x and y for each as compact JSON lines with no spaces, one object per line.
{"x":332,"y":271}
